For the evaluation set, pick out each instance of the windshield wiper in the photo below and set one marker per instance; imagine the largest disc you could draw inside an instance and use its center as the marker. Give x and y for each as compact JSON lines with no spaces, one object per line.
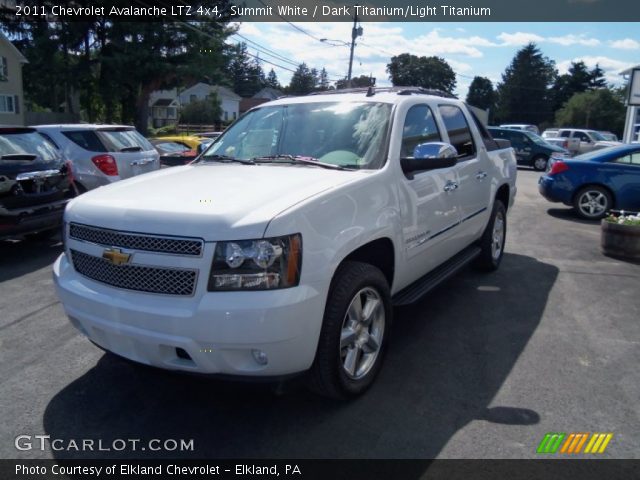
{"x":18,"y":156}
{"x":298,"y":159}
{"x":225,"y":159}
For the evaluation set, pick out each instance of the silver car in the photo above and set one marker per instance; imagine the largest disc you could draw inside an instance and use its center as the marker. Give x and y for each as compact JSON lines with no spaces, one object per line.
{"x":102,"y":154}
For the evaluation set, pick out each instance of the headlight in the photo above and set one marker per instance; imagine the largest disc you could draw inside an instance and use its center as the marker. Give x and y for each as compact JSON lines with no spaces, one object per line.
{"x":262,"y":264}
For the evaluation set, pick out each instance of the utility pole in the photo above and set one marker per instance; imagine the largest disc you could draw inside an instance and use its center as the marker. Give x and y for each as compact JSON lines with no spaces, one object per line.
{"x":355,"y":33}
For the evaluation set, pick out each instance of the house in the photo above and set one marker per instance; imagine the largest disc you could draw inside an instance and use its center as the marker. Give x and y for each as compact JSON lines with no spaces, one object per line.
{"x":263,"y":96}
{"x":164,"y":105}
{"x":11,"y":92}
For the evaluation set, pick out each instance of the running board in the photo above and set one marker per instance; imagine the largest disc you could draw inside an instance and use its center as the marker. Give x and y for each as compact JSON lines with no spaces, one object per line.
{"x":420,"y":287}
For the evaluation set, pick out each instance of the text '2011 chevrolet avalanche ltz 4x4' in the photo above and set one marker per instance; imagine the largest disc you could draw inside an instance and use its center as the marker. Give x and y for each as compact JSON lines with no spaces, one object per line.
{"x":283,"y":248}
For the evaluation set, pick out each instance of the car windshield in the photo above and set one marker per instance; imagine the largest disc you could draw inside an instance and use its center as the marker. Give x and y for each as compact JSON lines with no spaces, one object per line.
{"x":123,"y":139}
{"x":171,"y":147}
{"x":597,"y":136}
{"x":29,"y":143}
{"x":537,"y":139}
{"x":346,"y":134}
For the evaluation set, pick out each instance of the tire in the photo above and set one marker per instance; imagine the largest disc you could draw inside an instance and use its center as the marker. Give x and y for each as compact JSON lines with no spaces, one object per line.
{"x":540,"y":163}
{"x":592,"y":202}
{"x":493,"y":239}
{"x":351,"y":347}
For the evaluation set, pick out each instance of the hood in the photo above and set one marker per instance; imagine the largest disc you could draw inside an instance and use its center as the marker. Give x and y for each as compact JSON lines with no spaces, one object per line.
{"x":607,"y":143}
{"x":213,"y":201}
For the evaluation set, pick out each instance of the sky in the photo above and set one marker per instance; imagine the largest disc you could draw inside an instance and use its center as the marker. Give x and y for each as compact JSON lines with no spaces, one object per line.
{"x":483,"y":49}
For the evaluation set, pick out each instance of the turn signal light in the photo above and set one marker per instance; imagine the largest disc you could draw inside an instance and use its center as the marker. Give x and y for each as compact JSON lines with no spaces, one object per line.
{"x":558,"y":167}
{"x":106,"y":164}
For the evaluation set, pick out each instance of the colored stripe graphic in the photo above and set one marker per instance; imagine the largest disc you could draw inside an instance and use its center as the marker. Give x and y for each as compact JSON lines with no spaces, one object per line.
{"x":550,"y":442}
{"x":574,"y":443}
{"x":598,"y":443}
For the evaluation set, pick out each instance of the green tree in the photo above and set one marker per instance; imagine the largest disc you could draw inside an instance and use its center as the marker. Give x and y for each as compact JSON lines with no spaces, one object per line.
{"x":427,"y":72}
{"x":202,"y":112}
{"x":525,"y":94}
{"x":578,"y":79}
{"x":323,"y":80}
{"x":272,"y":80}
{"x":245,"y":72}
{"x":481,"y":93}
{"x":303,"y":81}
{"x":600,"y":109}
{"x":356,"y":82}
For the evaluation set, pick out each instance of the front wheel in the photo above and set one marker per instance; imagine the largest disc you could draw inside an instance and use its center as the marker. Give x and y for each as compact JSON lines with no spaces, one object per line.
{"x":540,"y":163}
{"x":354,"y":332}
{"x":493,"y":239}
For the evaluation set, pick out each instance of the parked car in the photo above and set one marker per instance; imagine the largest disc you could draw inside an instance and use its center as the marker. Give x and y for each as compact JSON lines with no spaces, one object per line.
{"x":282,"y":249}
{"x":204,"y":145}
{"x":596,"y":182}
{"x":35,"y":184}
{"x":521,"y":126}
{"x":588,"y":140}
{"x":172,"y":153}
{"x":191,"y":141}
{"x":102,"y":154}
{"x":550,"y":133}
{"x":531,"y":149}
{"x":212,"y":135}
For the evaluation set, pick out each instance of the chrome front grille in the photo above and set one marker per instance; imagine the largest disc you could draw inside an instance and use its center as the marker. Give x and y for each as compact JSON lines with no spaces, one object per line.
{"x":136,"y":241}
{"x":162,"y":280}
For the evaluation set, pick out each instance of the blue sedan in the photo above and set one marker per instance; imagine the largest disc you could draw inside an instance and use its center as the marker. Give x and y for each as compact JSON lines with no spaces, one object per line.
{"x":596,"y":182}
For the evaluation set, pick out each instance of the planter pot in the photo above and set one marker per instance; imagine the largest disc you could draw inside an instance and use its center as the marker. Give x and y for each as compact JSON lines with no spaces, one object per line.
{"x":620,"y":241}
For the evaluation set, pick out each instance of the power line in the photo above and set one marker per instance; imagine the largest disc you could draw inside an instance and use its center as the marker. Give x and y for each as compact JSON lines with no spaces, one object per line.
{"x":293,"y":25}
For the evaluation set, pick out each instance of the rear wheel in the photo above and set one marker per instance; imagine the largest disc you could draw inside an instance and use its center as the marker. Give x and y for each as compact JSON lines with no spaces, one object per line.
{"x":493,"y":239}
{"x":354,"y":332}
{"x":592,"y":202}
{"x":540,"y":163}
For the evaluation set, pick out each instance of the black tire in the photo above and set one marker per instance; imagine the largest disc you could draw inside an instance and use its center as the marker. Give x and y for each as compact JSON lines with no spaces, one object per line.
{"x":329,"y":376}
{"x":489,"y":259}
{"x":540,"y":163}
{"x":602,"y":202}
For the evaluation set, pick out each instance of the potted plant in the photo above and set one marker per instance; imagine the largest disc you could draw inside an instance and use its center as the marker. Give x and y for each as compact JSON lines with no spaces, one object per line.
{"x":621,"y":235}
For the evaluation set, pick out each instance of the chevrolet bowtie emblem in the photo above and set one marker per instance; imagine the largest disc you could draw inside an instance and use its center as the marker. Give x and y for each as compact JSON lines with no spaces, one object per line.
{"x":116,"y":256}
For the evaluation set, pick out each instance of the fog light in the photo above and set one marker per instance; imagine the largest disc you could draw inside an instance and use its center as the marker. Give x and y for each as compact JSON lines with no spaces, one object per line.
{"x":259,"y":356}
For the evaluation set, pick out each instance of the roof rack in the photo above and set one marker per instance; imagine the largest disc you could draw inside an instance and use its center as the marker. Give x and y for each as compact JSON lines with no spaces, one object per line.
{"x":370,"y":91}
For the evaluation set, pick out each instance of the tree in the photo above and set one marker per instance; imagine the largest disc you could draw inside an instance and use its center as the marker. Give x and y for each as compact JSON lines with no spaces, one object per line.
{"x":356,"y":82}
{"x":202,"y":112}
{"x":578,"y":79}
{"x":303,"y":81}
{"x":600,"y":109}
{"x":481,"y":93}
{"x":525,"y":95}
{"x":323,"y":80}
{"x":272,"y":80}
{"x":246,"y":74}
{"x":427,"y":72}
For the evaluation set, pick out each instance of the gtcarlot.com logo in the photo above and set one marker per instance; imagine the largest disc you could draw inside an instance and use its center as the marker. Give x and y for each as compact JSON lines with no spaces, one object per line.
{"x":44,"y":442}
{"x":573,"y":443}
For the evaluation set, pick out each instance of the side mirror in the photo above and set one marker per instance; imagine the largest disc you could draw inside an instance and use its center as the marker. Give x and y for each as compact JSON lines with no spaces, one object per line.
{"x":430,"y":156}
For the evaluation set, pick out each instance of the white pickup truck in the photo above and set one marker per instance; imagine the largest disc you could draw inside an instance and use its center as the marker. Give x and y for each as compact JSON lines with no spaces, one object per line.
{"x":284,"y":247}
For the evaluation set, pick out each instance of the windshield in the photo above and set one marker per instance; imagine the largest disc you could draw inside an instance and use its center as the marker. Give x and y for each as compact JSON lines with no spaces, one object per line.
{"x":347,"y":134}
{"x":596,"y":136}
{"x":537,"y":139}
{"x":30,"y":143}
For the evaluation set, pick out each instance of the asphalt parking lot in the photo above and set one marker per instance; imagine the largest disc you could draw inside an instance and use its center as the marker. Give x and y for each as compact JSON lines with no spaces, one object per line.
{"x":482,"y":367}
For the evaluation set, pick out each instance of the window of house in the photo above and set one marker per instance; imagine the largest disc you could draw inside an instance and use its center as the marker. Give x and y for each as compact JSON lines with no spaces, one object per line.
{"x":235,"y":115}
{"x":458,"y":130}
{"x":419,"y":127}
{"x":226,"y":115}
{"x":6,"y":104}
{"x":193,"y":98}
{"x":171,"y":112}
{"x":4,"y":69}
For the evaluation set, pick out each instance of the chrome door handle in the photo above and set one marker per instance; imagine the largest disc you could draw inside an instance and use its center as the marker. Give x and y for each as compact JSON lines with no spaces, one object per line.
{"x":481,"y":175}
{"x":450,"y":186}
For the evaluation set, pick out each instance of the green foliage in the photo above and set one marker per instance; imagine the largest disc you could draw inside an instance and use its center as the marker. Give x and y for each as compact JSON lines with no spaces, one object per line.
{"x":525,"y":95}
{"x":272,"y":80}
{"x":578,"y":79}
{"x":361,"y":81}
{"x":427,"y":72}
{"x":202,"y":112}
{"x":303,"y":81}
{"x":597,"y":109}
{"x":162,"y":131}
{"x":481,"y":93}
{"x":245,"y":73}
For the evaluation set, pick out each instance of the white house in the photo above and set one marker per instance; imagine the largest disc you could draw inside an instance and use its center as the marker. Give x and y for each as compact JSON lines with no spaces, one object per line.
{"x":11,"y":93}
{"x":164,"y":105}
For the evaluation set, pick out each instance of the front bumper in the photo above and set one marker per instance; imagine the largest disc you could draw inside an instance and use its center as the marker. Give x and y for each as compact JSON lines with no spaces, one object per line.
{"x":32,"y":219}
{"x":218,"y":330}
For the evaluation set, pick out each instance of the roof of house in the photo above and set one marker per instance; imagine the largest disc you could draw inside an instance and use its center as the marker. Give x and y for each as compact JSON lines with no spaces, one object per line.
{"x":219,"y":89}
{"x":12,"y":47}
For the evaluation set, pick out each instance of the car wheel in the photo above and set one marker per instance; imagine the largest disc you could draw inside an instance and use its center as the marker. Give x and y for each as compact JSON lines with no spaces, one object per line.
{"x":493,"y":239}
{"x":354,"y":332}
{"x":592,"y":202}
{"x":540,"y":163}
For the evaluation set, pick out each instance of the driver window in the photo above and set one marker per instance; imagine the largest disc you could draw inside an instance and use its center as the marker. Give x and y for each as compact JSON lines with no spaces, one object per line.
{"x":419,"y":127}
{"x":583,"y":137}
